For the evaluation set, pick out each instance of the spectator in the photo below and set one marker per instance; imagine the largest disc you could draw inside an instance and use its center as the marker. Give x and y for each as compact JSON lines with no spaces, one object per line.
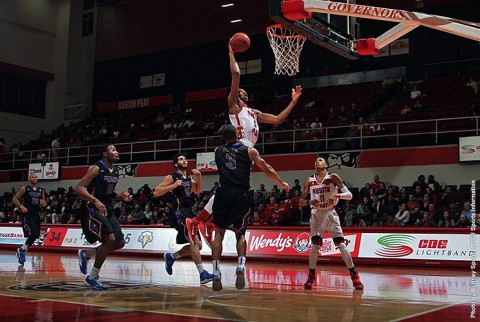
{"x":377,"y":207}
{"x":391,"y":205}
{"x":447,"y":197}
{"x":296,"y":186}
{"x":467,"y":211}
{"x":350,"y":214}
{"x":473,"y":85}
{"x":433,"y":184}
{"x":263,"y":191}
{"x":405,"y":110}
{"x":256,"y":220}
{"x":463,"y":222}
{"x":364,"y":192}
{"x":418,"y":194}
{"x":446,"y":221}
{"x":130,"y":220}
{"x":413,"y":208}
{"x":381,"y":192}
{"x":403,"y":196}
{"x":55,"y":147}
{"x":454,"y":211}
{"x":420,"y":182}
{"x":415,"y":93}
{"x":403,"y":216}
{"x":352,"y":137}
{"x":297,"y":209}
{"x":424,"y":222}
{"x":148,"y":212}
{"x":276,"y":216}
{"x":136,"y":212}
{"x":375,"y":185}
{"x":431,"y":196}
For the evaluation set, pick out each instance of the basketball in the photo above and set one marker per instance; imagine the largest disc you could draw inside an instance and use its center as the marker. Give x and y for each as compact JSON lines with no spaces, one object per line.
{"x":240,"y":42}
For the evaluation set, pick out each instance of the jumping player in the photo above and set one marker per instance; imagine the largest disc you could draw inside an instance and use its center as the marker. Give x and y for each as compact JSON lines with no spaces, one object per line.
{"x":245,"y":120}
{"x":181,"y":185}
{"x":33,"y":198}
{"x":325,"y":190}
{"x":233,"y":202}
{"x":97,"y":189}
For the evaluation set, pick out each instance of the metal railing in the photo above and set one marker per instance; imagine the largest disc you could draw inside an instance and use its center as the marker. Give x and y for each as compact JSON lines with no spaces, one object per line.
{"x":394,"y":134}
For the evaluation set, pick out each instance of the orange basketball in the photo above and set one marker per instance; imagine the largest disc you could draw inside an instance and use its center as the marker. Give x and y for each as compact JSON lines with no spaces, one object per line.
{"x":240,"y":42}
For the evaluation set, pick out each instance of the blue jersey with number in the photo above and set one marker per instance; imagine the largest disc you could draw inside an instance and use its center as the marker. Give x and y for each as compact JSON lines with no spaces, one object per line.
{"x":103,"y":186}
{"x":233,"y":165}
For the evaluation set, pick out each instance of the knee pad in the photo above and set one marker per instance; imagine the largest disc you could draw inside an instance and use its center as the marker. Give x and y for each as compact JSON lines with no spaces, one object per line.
{"x":317,"y":240}
{"x":338,"y":240}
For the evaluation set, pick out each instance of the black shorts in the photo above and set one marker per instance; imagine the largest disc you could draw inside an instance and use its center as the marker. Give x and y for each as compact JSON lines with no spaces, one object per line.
{"x":31,"y":225}
{"x":180,"y":224}
{"x":96,"y":226}
{"x":232,"y":208}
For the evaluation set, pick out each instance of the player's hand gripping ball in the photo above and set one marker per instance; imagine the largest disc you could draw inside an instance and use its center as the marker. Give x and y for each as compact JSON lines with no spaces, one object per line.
{"x":240,"y":42}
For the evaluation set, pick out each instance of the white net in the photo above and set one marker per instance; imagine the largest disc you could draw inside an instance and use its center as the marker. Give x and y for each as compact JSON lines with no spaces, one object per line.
{"x":287,"y":46}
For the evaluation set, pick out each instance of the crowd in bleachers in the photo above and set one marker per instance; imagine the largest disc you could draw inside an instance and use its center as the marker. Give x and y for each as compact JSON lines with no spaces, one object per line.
{"x":357,"y":108}
{"x":424,"y":204}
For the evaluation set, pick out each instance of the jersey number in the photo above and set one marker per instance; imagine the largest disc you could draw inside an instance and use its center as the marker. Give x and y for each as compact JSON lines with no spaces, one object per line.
{"x":231,"y":161}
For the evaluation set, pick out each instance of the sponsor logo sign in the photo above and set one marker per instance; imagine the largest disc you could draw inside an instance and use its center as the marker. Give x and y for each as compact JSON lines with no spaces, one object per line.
{"x":417,"y":246}
{"x":288,"y":243}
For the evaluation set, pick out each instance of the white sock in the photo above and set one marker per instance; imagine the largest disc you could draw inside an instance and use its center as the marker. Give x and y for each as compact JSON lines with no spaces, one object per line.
{"x":176,"y":255}
{"x":313,"y":257}
{"x":24,"y":247}
{"x":200,"y":267}
{"x":216,"y":267}
{"x":94,"y":273}
{"x":347,"y":258}
{"x":241,"y":261}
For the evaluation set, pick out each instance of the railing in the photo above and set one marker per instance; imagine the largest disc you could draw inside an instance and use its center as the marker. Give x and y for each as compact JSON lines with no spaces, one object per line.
{"x":407,"y":133}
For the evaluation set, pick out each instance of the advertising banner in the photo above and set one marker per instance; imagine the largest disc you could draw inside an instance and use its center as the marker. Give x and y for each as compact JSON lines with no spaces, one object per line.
{"x":206,"y":162}
{"x":47,"y":171}
{"x":451,"y":247}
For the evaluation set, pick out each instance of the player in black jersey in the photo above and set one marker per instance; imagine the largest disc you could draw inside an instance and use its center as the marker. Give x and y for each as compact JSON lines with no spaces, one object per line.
{"x":33,"y":198}
{"x":181,"y":186}
{"x":232,"y":200}
{"x":97,"y":189}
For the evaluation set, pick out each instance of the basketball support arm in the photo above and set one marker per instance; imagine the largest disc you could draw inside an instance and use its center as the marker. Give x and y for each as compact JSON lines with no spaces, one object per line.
{"x":298,"y":9}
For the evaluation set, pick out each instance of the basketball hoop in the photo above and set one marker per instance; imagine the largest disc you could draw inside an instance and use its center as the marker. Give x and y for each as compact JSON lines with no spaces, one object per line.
{"x":287,"y":46}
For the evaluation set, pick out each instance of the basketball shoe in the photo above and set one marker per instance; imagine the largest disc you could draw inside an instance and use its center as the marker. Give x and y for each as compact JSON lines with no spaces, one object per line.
{"x":207,"y":231}
{"x":217,"y":282}
{"x":205,"y":277}
{"x":82,"y":261}
{"x":95,"y":283}
{"x":192,"y":229}
{"x":21,"y":256}
{"x":356,"y":282}
{"x":310,"y":281}
{"x":240,"y":282}
{"x":169,"y":260}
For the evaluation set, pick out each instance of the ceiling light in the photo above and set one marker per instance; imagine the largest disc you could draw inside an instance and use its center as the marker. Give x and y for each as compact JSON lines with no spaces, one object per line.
{"x":227,"y":5}
{"x":235,"y":21}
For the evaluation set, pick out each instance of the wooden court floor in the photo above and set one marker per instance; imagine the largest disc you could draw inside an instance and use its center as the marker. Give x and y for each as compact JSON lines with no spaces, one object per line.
{"x":49,"y":287}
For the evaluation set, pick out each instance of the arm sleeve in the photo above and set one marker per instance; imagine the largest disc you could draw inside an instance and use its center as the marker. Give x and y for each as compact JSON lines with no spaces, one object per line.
{"x":346,"y":194}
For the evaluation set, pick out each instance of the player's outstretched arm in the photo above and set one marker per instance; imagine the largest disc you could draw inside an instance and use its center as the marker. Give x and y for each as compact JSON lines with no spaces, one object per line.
{"x":235,"y":70}
{"x":280,"y":118}
{"x":266,"y":168}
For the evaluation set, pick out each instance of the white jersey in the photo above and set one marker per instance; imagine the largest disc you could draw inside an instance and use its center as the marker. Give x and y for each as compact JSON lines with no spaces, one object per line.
{"x":322,"y":191}
{"x":324,"y":218}
{"x":248,"y":119}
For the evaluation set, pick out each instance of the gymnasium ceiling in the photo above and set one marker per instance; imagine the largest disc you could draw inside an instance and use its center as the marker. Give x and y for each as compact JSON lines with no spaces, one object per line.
{"x":134,"y":27}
